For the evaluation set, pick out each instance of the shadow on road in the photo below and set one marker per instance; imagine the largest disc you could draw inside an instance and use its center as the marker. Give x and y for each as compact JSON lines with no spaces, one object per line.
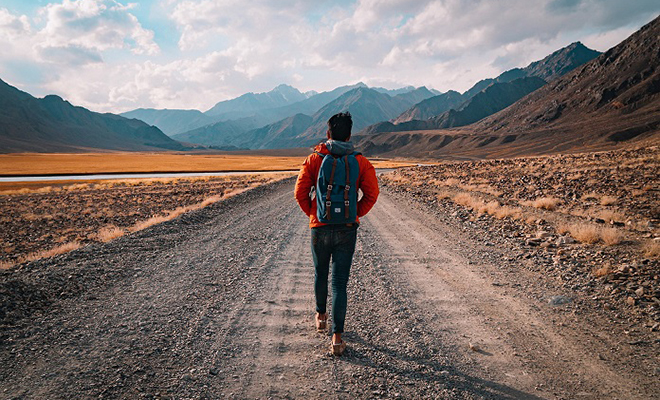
{"x":426,"y":370}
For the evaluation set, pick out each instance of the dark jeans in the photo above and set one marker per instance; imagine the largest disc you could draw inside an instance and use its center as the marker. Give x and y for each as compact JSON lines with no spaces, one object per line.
{"x":336,"y":242}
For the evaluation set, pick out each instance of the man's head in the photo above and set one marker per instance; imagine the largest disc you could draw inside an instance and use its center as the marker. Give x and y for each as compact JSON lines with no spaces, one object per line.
{"x":339,"y":127}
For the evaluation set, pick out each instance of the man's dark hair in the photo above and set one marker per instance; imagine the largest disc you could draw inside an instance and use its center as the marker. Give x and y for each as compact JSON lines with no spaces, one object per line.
{"x":340,"y":126}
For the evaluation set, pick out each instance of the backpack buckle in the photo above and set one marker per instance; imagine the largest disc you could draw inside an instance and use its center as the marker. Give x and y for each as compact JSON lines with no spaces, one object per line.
{"x":346,"y":203}
{"x":348,"y":187}
{"x":328,"y":204}
{"x":330,"y":187}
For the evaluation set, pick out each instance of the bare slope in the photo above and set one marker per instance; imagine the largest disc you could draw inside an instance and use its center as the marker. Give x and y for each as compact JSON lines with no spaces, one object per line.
{"x":52,"y":124}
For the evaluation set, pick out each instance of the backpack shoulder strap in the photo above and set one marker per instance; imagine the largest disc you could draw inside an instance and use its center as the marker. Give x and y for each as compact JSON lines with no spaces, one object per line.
{"x":347,"y":187}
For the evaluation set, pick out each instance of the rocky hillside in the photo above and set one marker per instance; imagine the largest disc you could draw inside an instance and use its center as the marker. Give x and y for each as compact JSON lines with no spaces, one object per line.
{"x":487,"y":102}
{"x":52,"y":124}
{"x":609,"y":100}
{"x":561,"y":62}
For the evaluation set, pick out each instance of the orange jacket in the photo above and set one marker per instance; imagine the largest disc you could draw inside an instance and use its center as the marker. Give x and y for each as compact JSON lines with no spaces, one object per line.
{"x":367,"y":182}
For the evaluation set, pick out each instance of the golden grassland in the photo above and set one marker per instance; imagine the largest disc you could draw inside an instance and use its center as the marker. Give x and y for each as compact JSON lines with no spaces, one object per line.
{"x":94,"y":163}
{"x":41,"y":222}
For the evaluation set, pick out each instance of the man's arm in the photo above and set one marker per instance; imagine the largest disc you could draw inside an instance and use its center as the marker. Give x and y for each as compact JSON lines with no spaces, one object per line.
{"x":304,"y":185}
{"x":369,"y":187}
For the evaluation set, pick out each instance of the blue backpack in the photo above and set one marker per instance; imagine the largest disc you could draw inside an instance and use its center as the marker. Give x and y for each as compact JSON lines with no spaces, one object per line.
{"x":336,"y":189}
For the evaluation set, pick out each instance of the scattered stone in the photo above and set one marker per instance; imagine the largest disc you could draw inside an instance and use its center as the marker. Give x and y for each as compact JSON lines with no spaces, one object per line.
{"x":559,"y":300}
{"x":631,"y":301}
{"x":533,"y":242}
{"x":565,"y":240}
{"x":474,"y":347}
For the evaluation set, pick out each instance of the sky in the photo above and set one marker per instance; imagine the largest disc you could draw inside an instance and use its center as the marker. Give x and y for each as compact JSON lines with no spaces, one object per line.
{"x":118,"y":55}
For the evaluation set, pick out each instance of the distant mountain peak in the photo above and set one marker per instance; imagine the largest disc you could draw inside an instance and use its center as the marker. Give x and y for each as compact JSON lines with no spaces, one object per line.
{"x":577,"y":45}
{"x":279,"y":96}
{"x":561,"y":61}
{"x":285,"y":88}
{"x":51,"y":97}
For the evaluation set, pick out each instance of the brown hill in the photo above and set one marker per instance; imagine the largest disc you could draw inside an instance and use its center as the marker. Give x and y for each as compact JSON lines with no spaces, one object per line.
{"x":612,"y":99}
{"x":52,"y":124}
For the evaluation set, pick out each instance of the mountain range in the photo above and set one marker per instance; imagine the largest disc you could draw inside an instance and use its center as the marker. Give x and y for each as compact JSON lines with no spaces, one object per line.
{"x":377,"y":110}
{"x":487,"y":96}
{"x":260,"y":108}
{"x":611,"y":99}
{"x":368,"y":105}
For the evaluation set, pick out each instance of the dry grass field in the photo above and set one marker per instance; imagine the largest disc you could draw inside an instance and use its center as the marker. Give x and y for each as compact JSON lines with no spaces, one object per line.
{"x":38,"y":222}
{"x":616,"y":191}
{"x":93,"y":163}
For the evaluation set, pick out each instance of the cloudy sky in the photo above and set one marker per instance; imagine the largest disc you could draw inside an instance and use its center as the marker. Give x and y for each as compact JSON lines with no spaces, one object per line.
{"x":117,"y":55}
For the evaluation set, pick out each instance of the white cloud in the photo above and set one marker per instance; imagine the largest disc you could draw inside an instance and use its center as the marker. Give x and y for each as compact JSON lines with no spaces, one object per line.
{"x":72,"y":34}
{"x":12,"y":26}
{"x":205,"y":21}
{"x":53,"y":50}
{"x":94,"y":25}
{"x":98,"y":54}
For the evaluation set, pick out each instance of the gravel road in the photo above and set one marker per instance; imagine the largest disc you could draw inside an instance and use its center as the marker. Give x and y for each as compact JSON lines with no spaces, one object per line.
{"x":219,"y":304}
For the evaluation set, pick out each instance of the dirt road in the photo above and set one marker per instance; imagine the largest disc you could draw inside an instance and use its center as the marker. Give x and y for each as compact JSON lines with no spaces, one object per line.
{"x":219,"y":303}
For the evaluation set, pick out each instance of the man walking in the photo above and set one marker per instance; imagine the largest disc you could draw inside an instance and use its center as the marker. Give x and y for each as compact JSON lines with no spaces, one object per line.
{"x":336,"y":172}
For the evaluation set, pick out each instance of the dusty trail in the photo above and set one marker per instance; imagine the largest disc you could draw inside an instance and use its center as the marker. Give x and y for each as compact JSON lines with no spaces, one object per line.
{"x":219,"y":303}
